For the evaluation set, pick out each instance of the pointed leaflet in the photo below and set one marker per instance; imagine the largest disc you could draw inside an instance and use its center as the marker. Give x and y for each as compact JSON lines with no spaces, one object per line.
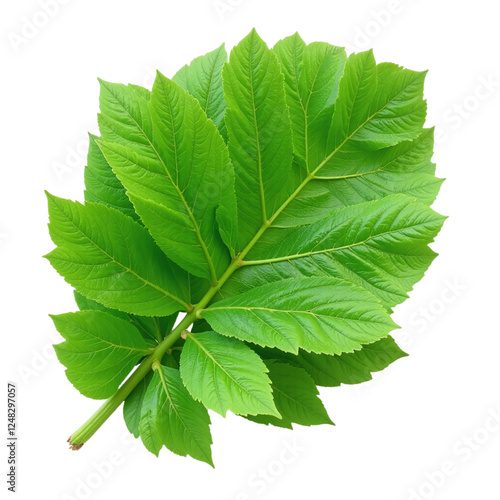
{"x":125,"y":117}
{"x":203,"y":80}
{"x":170,"y":417}
{"x":100,"y":252}
{"x":378,"y":105}
{"x":101,"y":184}
{"x":296,"y":397}
{"x":176,"y":169}
{"x":259,"y":132}
{"x":99,"y":352}
{"x":348,"y":368}
{"x":312,"y":75}
{"x":225,"y":374}
{"x":324,"y":315}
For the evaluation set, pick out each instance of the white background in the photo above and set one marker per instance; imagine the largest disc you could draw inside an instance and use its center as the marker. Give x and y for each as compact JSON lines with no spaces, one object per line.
{"x":393,"y":434}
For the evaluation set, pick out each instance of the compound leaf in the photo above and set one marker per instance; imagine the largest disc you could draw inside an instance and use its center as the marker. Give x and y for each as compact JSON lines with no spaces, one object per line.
{"x":282,"y":200}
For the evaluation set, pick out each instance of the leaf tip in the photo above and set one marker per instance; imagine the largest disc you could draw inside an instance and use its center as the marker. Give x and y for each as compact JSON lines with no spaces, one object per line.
{"x":275,"y":413}
{"x":403,"y":354}
{"x":102,"y":83}
{"x":254,"y":35}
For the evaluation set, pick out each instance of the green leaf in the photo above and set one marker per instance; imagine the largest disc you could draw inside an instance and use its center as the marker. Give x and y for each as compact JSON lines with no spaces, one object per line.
{"x":99,"y":352}
{"x":86,"y":304}
{"x":151,"y":328}
{"x":170,"y":417}
{"x":356,"y":175}
{"x":260,"y":139}
{"x":203,"y":80}
{"x":102,"y":185}
{"x":281,"y":199}
{"x":380,"y":245}
{"x":347,"y":368}
{"x":133,"y":405}
{"x":296,"y":398}
{"x":378,"y":105}
{"x":179,"y":178}
{"x":100,"y":252}
{"x":125,"y":117}
{"x":225,"y":374}
{"x":324,"y":315}
{"x":312,"y":76}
